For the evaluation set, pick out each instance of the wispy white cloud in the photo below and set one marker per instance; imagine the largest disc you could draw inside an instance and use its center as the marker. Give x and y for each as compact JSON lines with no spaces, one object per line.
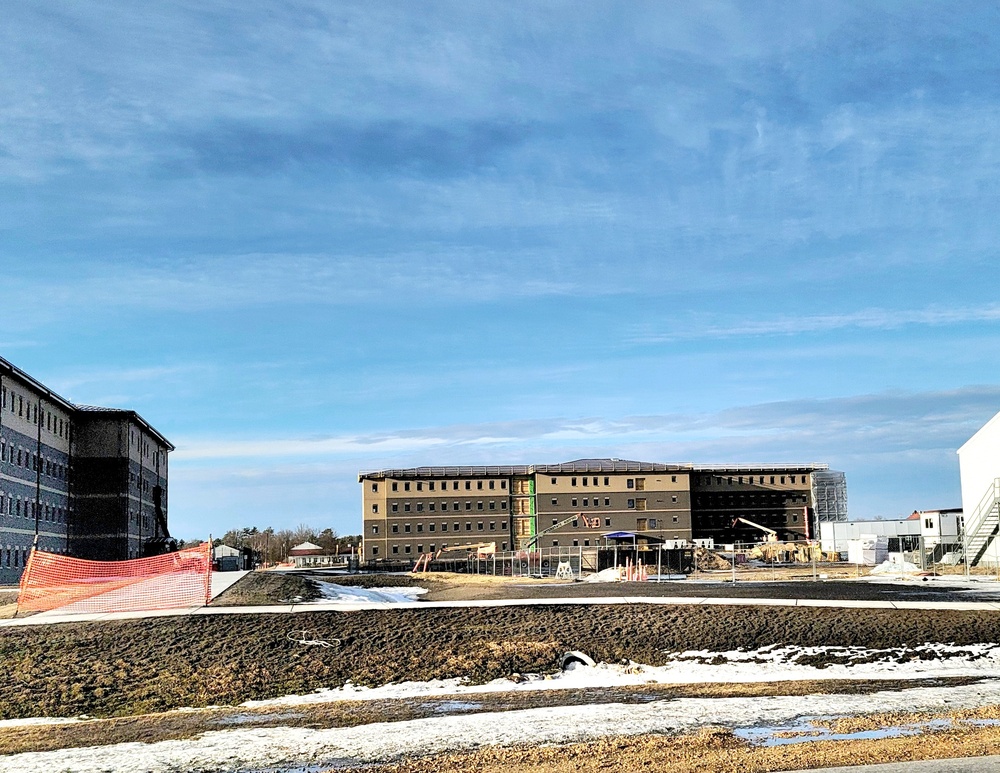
{"x":865,"y":319}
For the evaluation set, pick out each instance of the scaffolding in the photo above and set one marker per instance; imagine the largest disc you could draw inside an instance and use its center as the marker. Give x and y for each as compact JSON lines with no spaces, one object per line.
{"x":830,"y":495}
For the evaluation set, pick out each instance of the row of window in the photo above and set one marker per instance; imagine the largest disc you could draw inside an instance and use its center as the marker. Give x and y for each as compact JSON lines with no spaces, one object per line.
{"x":431,"y":485}
{"x":432,"y":506}
{"x":21,"y":457}
{"x":14,"y":558}
{"x":636,"y":483}
{"x":718,"y":480}
{"x":16,"y":507}
{"x":480,"y":526}
{"x":134,"y":481}
{"x":408,"y":549}
{"x":751,"y":500}
{"x":31,"y":412}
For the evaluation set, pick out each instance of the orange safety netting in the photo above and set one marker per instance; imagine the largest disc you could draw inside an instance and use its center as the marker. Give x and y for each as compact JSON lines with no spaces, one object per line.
{"x":171,"y":581}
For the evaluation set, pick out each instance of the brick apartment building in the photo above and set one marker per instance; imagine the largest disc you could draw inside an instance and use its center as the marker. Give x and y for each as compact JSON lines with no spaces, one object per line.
{"x":407,"y":512}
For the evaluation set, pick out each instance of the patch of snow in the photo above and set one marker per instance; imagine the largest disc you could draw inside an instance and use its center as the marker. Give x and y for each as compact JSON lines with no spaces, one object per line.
{"x":614,"y":574}
{"x":895,"y":567}
{"x":349,"y":595}
{"x":290,"y":747}
{"x":5,"y":723}
{"x":769,"y":664}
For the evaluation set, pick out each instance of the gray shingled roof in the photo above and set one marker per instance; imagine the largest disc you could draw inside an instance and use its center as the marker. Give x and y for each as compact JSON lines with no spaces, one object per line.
{"x":580,"y":466}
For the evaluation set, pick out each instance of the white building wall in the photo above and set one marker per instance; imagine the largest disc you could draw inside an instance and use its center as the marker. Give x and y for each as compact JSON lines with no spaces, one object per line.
{"x":979,"y":465}
{"x":833,"y":535}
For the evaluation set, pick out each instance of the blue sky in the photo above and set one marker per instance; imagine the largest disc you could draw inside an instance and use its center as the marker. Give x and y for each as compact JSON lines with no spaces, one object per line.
{"x":305,"y":239}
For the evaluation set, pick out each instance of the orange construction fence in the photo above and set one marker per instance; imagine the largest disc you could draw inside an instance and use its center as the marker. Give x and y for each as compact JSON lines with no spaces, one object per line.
{"x":171,"y":581}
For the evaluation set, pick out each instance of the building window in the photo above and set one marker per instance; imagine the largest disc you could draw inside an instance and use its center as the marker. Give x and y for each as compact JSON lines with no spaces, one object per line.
{"x":503,"y":504}
{"x":468,"y":485}
{"x":572,"y":481}
{"x":395,"y":528}
{"x":406,"y":548}
{"x":493,"y":525}
{"x":673,"y":478}
{"x":479,"y":505}
{"x":420,"y":507}
{"x":584,"y":480}
{"x":631,"y":504}
{"x":607,"y":521}
{"x":607,"y":502}
{"x":420,"y":527}
{"x":586,"y":502}
{"x":420,"y":486}
{"x":374,"y":528}
{"x":406,"y":528}
{"x":375,"y":550}
{"x":430,"y":527}
{"x":468,"y":525}
{"x":675,"y":518}
{"x":673,"y":498}
{"x":395,"y":486}
{"x":395,"y":548}
{"x":431,"y":485}
{"x":431,"y":506}
{"x":630,"y":483}
{"x":456,"y":526}
{"x":374,"y":487}
{"x":573,"y":502}
{"x":493,"y":505}
{"x":553,"y":481}
{"x":555,"y":543}
{"x":444,"y":527}
{"x":503,"y":525}
{"x":395,"y":507}
{"x":503,"y":484}
{"x":454,"y":505}
{"x":454,"y":485}
{"x":406,"y":507}
{"x":555,"y":501}
{"x":479,"y":526}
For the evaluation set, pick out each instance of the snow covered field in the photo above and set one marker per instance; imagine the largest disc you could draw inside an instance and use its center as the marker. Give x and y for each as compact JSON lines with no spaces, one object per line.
{"x":252,"y":749}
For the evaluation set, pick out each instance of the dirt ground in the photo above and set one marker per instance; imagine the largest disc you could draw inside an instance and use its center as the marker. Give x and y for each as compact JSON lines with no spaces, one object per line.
{"x":139,"y":666}
{"x":263,"y":588}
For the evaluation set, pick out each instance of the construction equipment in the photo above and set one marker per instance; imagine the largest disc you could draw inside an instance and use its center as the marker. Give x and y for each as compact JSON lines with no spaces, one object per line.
{"x":534,"y":540}
{"x":481,"y":549}
{"x":772,"y":535}
{"x":161,"y":542}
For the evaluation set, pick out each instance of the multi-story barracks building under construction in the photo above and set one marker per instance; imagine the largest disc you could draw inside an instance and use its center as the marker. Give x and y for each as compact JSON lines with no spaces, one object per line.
{"x":407,"y":512}
{"x":83,"y":481}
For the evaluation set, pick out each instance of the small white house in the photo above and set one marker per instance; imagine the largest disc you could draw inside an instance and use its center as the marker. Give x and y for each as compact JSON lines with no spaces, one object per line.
{"x":940,"y":526}
{"x":308,"y":556}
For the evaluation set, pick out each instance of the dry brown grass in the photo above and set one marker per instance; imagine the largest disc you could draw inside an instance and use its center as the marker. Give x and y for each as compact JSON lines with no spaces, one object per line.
{"x":710,"y":750}
{"x":150,"y":728}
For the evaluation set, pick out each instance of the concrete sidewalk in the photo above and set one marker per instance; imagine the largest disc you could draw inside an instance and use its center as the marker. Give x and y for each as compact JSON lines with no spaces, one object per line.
{"x":49,"y":618}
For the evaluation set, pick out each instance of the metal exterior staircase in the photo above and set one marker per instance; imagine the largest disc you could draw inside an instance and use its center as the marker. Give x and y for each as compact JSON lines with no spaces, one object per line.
{"x":982,"y":525}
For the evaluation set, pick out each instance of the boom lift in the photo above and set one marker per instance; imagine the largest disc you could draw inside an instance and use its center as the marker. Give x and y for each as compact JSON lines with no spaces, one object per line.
{"x":772,"y":535}
{"x":534,"y":540}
